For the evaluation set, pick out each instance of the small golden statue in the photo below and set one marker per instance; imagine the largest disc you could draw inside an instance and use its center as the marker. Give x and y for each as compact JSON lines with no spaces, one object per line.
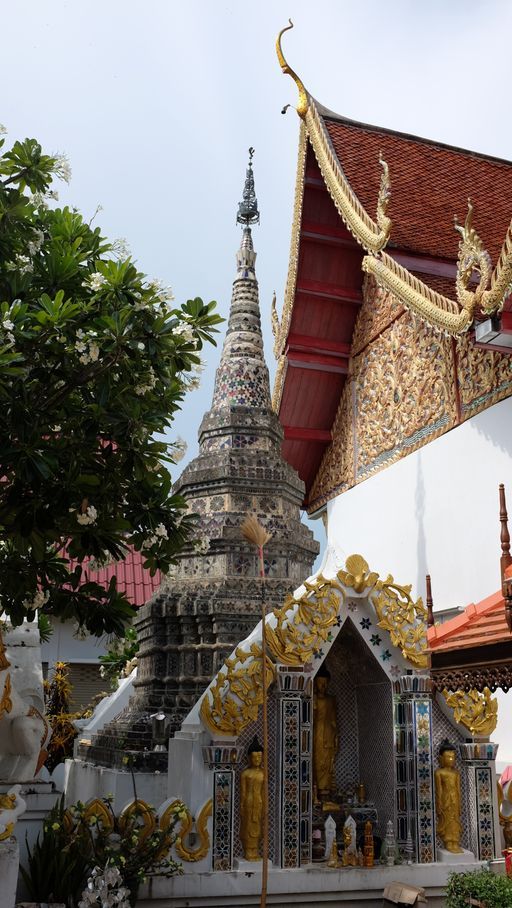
{"x":349,"y":853}
{"x":252,"y":803}
{"x":447,"y":785}
{"x":369,"y":849}
{"x":333,"y":857}
{"x":325,"y":737}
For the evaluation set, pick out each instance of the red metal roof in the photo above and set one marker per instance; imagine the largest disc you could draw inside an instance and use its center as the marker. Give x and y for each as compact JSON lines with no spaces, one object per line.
{"x":132,"y":579}
{"x":478,"y":625}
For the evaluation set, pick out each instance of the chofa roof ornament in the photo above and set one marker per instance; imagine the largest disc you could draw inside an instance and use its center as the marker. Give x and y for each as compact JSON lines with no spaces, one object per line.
{"x":302,"y":106}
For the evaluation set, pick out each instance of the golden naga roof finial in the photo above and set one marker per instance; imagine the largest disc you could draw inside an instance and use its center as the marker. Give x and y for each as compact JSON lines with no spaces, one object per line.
{"x":302,"y":106}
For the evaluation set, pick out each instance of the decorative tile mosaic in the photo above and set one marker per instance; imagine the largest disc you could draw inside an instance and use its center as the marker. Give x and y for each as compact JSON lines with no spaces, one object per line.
{"x":222,"y":838}
{"x":485,"y":818}
{"x":290,"y":787}
{"x":424,"y":780}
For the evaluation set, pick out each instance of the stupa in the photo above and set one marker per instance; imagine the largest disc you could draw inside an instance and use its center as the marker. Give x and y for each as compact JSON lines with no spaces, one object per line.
{"x":213,"y":597}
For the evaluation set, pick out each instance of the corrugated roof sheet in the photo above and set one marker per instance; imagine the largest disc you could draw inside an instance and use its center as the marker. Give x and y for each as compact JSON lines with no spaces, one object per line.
{"x":132,"y":579}
{"x":430,"y":184}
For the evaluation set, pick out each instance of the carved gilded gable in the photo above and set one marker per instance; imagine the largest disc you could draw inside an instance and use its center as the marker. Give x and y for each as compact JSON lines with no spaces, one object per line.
{"x":408,"y":384}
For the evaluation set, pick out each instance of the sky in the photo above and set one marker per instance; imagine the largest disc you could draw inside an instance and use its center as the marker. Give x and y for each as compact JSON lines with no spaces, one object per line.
{"x":156,"y":104}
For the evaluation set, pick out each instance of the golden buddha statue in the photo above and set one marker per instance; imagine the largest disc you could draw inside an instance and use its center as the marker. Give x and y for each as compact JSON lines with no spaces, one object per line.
{"x":447,"y":785}
{"x":325,"y":736}
{"x":252,"y":803}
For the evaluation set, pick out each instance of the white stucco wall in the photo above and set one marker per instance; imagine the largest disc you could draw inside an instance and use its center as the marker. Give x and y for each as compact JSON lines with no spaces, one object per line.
{"x":437,"y":511}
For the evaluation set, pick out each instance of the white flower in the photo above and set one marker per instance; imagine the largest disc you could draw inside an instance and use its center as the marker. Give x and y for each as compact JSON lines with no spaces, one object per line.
{"x":140,"y":345}
{"x":21,"y":263}
{"x":161,"y":531}
{"x":38,"y":200}
{"x":120,"y":248}
{"x":148,"y":385}
{"x":197,"y":368}
{"x":3,"y":130}
{"x":88,"y":517}
{"x":193,"y":384}
{"x":95,"y":281}
{"x":94,"y":352}
{"x":35,"y":244}
{"x":62,"y":167}
{"x":37,"y":601}
{"x":179,"y":449}
{"x":185,"y":331}
{"x":7,"y":325}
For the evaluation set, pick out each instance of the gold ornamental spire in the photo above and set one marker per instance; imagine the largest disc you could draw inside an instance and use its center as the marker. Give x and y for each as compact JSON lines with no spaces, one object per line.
{"x":302,"y":106}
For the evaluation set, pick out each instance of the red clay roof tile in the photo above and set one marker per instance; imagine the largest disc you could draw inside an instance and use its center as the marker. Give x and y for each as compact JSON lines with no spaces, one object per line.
{"x":430,"y":184}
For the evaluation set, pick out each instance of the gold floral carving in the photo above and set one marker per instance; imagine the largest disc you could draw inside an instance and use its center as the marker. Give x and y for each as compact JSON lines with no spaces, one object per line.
{"x":451,"y":316}
{"x":301,"y":627}
{"x":237,"y":692}
{"x":293,"y":261}
{"x":186,"y":824}
{"x":477,"y":711}
{"x":277,"y":390}
{"x":336,"y":472}
{"x":371,"y":235}
{"x":401,"y":398}
{"x":402,"y":617}
{"x":303,"y":624}
{"x":379,"y":309}
{"x":501,"y":279}
{"x":484,"y":377}
{"x":6,"y":701}
{"x":143,"y":813}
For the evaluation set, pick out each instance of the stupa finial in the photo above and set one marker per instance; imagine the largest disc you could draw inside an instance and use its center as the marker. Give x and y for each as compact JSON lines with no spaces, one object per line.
{"x":248,"y":213}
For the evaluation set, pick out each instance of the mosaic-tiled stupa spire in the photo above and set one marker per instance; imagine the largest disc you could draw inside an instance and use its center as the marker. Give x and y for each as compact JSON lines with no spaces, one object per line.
{"x":212,"y":600}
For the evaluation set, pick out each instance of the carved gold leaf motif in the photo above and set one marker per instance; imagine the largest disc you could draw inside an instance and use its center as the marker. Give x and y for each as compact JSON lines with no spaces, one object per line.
{"x":237,"y":692}
{"x":301,"y":626}
{"x":477,"y":711}
{"x":185,"y":852}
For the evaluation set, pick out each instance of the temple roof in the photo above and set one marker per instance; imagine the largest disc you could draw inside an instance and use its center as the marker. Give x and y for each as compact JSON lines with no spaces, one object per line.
{"x":370,"y":200}
{"x":474,"y":647}
{"x":430,"y":185}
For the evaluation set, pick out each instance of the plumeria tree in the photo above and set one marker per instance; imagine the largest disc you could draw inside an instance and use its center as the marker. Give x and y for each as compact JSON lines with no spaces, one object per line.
{"x":94,"y":361}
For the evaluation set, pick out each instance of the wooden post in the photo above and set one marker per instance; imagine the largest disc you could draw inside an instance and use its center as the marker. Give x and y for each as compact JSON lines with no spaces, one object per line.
{"x":430,"y":604}
{"x":506,"y":557}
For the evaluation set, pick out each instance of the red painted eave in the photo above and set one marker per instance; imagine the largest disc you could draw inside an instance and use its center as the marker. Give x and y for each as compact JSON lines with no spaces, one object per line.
{"x":479,"y":625}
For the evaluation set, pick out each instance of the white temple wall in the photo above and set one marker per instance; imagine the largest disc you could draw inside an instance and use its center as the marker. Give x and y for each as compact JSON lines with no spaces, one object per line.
{"x":437,"y":512}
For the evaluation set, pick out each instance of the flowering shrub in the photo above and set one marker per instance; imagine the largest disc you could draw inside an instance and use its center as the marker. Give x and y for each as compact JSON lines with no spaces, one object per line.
{"x":57,"y":703}
{"x":94,"y":361}
{"x":130,"y":847}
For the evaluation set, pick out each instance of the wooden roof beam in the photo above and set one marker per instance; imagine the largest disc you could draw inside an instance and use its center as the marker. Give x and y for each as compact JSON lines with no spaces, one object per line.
{"x":305,"y":343}
{"x":317,"y":361}
{"x":303,"y":433}
{"x":332,"y":292}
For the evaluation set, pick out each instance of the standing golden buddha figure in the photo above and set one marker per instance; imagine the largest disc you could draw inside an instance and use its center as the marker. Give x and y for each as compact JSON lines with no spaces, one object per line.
{"x":447,"y":786}
{"x":252,"y":803}
{"x":325,"y":737}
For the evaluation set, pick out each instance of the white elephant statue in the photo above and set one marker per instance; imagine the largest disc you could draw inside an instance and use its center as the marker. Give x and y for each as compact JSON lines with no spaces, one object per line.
{"x":24,"y":731}
{"x":11,"y":807}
